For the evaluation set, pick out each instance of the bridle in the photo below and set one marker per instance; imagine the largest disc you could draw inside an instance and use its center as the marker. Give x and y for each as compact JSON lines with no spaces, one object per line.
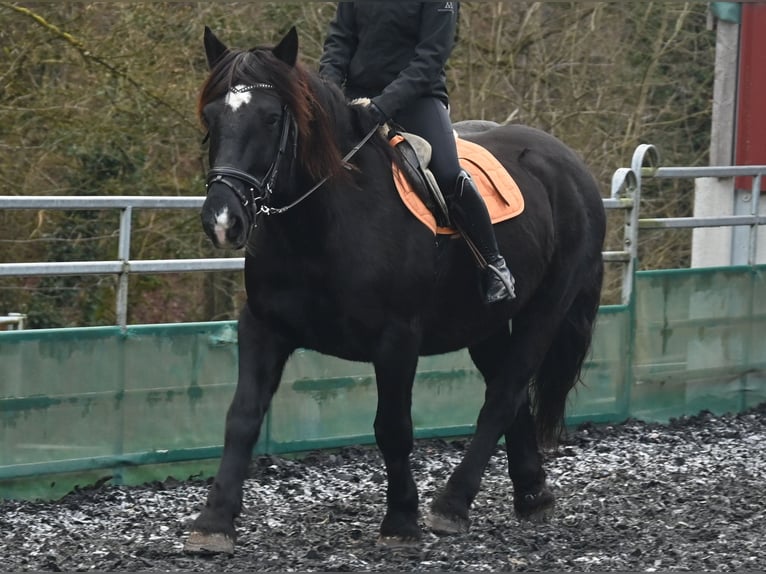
{"x":253,"y":204}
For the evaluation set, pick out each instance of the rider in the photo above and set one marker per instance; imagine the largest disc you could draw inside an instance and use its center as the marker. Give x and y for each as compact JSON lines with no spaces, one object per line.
{"x":394,"y":53}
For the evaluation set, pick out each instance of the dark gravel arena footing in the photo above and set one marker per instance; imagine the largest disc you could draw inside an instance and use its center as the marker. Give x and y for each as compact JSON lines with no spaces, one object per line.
{"x":632,"y":497}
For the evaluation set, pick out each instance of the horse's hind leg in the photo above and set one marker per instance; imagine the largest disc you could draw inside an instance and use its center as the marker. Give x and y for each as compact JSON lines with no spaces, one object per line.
{"x":506,"y":373}
{"x":507,"y":362}
{"x":395,"y":367}
{"x":262,"y":356}
{"x":531,"y":496}
{"x":550,"y":339}
{"x":532,"y":499}
{"x":557,"y":373}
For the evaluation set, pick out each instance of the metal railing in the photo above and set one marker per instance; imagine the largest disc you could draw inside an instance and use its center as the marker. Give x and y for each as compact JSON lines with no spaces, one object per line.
{"x":123,"y":266}
{"x":625,"y":195}
{"x":13,"y":321}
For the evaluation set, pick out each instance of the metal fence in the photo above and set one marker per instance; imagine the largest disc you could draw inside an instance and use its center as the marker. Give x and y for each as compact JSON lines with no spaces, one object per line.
{"x":123,"y":266}
{"x":13,"y":321}
{"x":645,"y":163}
{"x":625,"y":195}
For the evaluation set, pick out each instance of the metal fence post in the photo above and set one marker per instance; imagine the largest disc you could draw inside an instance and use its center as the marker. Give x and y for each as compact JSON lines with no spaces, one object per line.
{"x":645,"y":155}
{"x":624,"y":185}
{"x":752,"y":248}
{"x":123,"y":254}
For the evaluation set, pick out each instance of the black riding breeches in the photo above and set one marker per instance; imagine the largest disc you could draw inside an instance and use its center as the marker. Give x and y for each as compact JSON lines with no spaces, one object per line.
{"x":429,"y":118}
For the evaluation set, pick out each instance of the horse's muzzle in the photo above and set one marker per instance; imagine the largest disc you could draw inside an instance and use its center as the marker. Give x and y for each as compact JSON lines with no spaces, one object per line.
{"x":225,"y":225}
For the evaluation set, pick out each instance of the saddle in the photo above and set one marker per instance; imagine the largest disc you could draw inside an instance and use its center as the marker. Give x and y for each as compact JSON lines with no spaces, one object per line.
{"x":419,"y":191}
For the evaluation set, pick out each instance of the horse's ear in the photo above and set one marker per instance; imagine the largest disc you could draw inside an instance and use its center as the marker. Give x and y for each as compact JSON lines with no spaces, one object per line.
{"x":214,"y":48}
{"x":287,"y":49}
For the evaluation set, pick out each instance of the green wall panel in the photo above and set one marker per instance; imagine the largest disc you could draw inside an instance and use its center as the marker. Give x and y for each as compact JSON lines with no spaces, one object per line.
{"x":699,"y":341}
{"x":151,"y":401}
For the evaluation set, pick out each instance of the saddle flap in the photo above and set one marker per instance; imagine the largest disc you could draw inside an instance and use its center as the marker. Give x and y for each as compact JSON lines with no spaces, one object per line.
{"x":415,"y":152}
{"x":497,"y":187}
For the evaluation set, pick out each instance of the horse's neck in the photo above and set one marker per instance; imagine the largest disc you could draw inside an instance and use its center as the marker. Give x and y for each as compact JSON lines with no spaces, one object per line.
{"x":333,"y":212}
{"x":303,"y":220}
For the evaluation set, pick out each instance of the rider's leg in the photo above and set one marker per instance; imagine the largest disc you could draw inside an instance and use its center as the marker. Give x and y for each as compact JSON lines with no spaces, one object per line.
{"x":468,"y":210}
{"x":429,"y":118}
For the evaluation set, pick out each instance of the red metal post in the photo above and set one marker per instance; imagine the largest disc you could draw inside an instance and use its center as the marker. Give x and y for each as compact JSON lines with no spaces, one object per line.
{"x":751,"y":104}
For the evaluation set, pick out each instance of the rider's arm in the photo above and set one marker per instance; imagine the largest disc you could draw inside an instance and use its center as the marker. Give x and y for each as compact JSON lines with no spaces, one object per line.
{"x":339,"y":45}
{"x":437,"y":37}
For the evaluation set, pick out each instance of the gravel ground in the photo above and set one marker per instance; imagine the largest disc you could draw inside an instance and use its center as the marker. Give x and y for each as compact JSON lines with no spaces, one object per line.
{"x":631,"y":497}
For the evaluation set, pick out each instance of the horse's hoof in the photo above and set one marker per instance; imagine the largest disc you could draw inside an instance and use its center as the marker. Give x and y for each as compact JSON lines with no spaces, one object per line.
{"x":535,"y":507}
{"x":539,"y":516}
{"x":212,"y":543}
{"x":441,"y":524}
{"x":399,"y":541}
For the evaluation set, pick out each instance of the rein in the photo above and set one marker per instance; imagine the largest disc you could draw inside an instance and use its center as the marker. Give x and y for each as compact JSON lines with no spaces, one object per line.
{"x":253,"y":205}
{"x":266,"y":210}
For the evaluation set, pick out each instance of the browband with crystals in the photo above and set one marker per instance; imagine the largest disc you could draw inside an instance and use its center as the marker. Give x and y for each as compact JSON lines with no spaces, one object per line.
{"x":241,"y":89}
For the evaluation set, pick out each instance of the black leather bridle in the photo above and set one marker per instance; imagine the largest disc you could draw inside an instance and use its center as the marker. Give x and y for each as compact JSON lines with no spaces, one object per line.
{"x":253,"y":204}
{"x":256,"y":196}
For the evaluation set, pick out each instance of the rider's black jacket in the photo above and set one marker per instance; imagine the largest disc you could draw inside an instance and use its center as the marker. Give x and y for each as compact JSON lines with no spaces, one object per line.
{"x":391,"y":52}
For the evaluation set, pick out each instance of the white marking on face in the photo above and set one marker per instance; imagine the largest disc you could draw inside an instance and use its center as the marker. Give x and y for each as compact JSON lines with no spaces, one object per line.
{"x":236,"y":98}
{"x":222,"y":225}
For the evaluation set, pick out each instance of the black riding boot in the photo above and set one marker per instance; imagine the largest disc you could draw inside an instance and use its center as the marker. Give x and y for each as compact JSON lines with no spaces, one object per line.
{"x":468,"y":211}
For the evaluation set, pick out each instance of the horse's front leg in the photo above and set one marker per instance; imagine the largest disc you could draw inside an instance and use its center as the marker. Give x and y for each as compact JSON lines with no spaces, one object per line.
{"x":395,"y":371}
{"x":262,"y":356}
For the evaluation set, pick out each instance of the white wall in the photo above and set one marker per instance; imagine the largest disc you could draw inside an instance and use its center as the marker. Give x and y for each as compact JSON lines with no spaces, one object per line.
{"x":714,"y":246}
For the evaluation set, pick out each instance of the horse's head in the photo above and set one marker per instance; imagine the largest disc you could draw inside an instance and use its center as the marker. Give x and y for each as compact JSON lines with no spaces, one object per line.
{"x":259,"y":109}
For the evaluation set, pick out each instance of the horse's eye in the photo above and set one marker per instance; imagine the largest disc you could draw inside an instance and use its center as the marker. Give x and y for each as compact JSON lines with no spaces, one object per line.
{"x":272,"y":119}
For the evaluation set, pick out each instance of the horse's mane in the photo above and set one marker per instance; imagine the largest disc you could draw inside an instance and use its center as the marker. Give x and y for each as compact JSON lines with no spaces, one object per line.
{"x":298,"y":89}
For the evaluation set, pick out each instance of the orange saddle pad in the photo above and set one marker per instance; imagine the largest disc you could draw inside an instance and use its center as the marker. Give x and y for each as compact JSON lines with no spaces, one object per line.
{"x":499,"y":190}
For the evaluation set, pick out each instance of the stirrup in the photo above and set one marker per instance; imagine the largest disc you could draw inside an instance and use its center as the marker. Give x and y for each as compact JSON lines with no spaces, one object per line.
{"x":500,"y":276}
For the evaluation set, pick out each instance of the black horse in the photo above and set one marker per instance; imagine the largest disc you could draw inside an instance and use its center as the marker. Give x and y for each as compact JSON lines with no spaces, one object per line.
{"x":335,"y":263}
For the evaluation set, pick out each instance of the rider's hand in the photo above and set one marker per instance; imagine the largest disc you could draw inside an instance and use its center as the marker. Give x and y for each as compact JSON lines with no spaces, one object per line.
{"x":380,"y":117}
{"x":377,"y":114}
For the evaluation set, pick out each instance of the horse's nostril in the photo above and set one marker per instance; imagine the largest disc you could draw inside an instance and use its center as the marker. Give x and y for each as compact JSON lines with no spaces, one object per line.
{"x":235,"y":228}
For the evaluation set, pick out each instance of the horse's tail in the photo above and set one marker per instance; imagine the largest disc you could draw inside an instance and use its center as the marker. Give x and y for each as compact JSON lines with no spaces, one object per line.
{"x":560,"y":369}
